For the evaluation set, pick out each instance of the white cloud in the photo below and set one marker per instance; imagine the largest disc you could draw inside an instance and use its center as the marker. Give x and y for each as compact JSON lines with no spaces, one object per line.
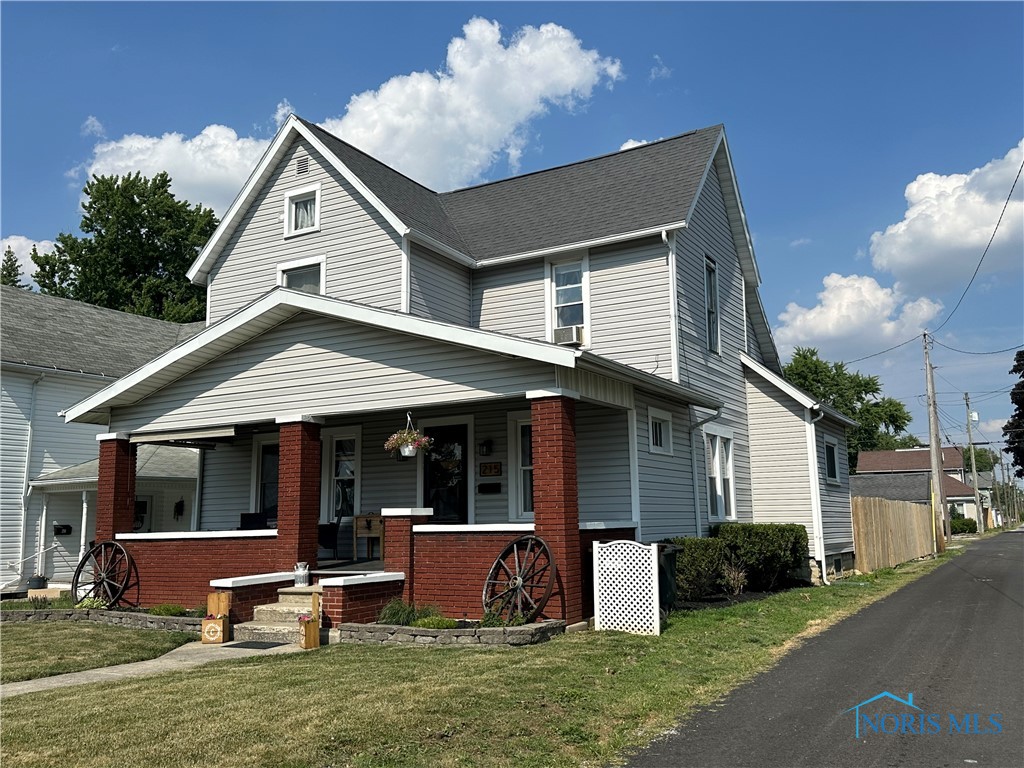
{"x":22,"y":247}
{"x":800,"y":241}
{"x":281,"y":113}
{"x":992,"y":428}
{"x":660,"y":71}
{"x":949,"y":221}
{"x":854,"y":316}
{"x":209,"y":168}
{"x":630,"y":143}
{"x":93,"y":127}
{"x":446,"y":128}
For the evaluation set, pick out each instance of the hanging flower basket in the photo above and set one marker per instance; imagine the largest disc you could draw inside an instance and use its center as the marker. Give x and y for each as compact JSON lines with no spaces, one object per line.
{"x":407,"y":441}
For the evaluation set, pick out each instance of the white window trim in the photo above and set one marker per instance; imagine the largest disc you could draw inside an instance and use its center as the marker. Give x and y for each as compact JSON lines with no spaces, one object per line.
{"x":515,"y":481}
{"x":834,"y":443}
{"x":549,"y":296}
{"x":309,"y":261}
{"x":289,"y":196}
{"x":327,"y":438}
{"x":470,"y":459}
{"x":708,"y":261}
{"x":727,"y":433}
{"x":656,"y":414}
{"x":258,"y":441}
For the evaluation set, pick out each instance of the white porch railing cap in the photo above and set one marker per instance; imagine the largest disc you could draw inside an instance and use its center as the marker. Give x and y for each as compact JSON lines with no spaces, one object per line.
{"x":406,"y":511}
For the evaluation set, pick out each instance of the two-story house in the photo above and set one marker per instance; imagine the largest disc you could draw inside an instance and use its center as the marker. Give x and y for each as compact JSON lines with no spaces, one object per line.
{"x":586,"y":346}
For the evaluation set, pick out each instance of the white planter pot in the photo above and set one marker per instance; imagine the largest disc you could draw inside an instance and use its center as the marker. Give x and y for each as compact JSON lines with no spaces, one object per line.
{"x":407,"y":450}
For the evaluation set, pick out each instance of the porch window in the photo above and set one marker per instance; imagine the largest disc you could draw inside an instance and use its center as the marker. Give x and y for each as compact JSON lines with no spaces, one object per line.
{"x":302,"y":210}
{"x":721,"y":492}
{"x":659,"y":431}
{"x":711,"y":304}
{"x":307,"y":275}
{"x":266,"y":509}
{"x":831,"y":460}
{"x":521,"y":470}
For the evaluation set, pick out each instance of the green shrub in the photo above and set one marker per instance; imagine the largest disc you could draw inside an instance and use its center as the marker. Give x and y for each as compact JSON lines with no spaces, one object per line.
{"x":963,"y":525}
{"x":404,"y":614}
{"x":699,"y":567}
{"x":91,"y":602}
{"x":435,"y":622}
{"x":168,"y":609}
{"x":770,"y":552}
{"x":491,"y":619}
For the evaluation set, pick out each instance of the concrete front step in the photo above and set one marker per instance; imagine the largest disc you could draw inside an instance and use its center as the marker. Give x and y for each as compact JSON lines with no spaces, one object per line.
{"x":267,"y":633}
{"x":302,"y":596}
{"x":279,"y":613}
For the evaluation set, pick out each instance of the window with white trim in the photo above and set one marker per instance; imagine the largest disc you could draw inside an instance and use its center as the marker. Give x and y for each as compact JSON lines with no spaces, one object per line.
{"x":341,"y":475}
{"x":263,"y":499}
{"x":831,"y":460}
{"x":659,"y":431}
{"x":306,"y":275}
{"x":520,"y":432}
{"x":567,"y":299}
{"x":302,"y":210}
{"x":711,"y":304}
{"x":721,"y":489}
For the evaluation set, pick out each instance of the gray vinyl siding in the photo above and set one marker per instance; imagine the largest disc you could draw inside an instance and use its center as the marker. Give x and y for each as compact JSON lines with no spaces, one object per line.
{"x":779,"y":465}
{"x":324,"y":366}
{"x":602,"y":464}
{"x":753,"y":348}
{"x":439,"y":288}
{"x":510,"y":299}
{"x":55,"y":445}
{"x":836,"y":514}
{"x":708,"y":233}
{"x":666,"y":482}
{"x":226,"y":486}
{"x":363,"y":252}
{"x":630,"y":319}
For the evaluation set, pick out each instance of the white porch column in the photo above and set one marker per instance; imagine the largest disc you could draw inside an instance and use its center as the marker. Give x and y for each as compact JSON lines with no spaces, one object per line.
{"x":41,"y":541}
{"x":83,"y":537}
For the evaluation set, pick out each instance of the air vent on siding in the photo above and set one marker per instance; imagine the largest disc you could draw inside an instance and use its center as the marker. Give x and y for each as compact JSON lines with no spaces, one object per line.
{"x":301,"y":166}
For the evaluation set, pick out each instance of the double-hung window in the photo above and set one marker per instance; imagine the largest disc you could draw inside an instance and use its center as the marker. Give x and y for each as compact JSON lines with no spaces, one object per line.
{"x":520,"y":432}
{"x":721,"y":490}
{"x":302,"y":210}
{"x":711,"y":304}
{"x":831,"y":460}
{"x":568,"y":295}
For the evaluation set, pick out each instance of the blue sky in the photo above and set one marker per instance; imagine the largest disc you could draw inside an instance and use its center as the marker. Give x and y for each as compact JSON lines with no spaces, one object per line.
{"x":873,"y":142}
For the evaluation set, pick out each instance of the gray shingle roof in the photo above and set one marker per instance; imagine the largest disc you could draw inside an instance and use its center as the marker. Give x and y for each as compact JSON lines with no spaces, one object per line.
{"x":906,"y":486}
{"x":67,"y":335}
{"x":154,"y":462}
{"x":641,"y":188}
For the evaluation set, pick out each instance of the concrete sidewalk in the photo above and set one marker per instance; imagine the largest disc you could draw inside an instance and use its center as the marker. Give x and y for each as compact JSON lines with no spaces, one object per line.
{"x":184,"y":657}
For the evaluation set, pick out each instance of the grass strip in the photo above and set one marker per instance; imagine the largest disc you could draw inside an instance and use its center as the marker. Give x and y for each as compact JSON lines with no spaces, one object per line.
{"x":580,"y":699}
{"x":40,"y":649}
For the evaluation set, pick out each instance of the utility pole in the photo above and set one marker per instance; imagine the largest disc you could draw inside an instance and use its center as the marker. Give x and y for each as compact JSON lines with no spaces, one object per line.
{"x":939,"y":511}
{"x":974,"y":467}
{"x":1010,"y":489}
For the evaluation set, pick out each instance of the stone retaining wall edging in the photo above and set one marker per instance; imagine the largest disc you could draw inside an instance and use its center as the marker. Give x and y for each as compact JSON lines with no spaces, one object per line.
{"x":380,"y":634}
{"x":118,"y":618}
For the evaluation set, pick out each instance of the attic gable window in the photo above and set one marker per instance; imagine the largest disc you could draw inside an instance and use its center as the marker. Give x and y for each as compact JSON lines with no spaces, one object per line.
{"x":306,"y":275}
{"x":302,"y":210}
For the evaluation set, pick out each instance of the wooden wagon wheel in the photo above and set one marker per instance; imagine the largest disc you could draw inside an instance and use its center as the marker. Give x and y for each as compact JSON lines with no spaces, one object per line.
{"x":521,"y":580}
{"x":109,"y":573}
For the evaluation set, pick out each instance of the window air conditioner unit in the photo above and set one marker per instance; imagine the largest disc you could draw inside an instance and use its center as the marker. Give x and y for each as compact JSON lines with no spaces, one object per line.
{"x":571,"y":336}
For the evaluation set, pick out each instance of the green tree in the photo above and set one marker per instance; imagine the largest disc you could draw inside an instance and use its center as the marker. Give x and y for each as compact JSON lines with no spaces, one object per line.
{"x":881,"y":421}
{"x":1013,"y":429}
{"x":138,"y":242}
{"x":10,"y":269}
{"x":985,"y":458}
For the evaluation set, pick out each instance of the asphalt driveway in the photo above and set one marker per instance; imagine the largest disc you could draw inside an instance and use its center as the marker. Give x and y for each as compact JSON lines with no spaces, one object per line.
{"x":954,"y":639}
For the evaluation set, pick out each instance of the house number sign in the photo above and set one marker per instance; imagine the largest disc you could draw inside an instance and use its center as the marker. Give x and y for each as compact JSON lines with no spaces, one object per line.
{"x":490,"y":469}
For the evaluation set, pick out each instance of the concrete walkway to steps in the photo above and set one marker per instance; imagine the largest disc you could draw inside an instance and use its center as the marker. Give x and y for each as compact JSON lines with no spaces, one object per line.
{"x":183,"y":657}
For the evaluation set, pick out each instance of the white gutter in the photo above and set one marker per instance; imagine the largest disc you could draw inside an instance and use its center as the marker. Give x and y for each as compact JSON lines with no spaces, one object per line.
{"x":816,"y":523}
{"x":673,"y":300}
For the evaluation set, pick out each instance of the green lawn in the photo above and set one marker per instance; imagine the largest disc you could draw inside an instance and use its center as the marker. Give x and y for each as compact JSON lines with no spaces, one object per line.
{"x":39,"y":649}
{"x":580,"y":699}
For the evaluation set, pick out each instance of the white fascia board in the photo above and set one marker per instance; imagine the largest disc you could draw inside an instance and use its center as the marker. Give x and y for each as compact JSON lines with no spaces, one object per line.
{"x":200,"y":268}
{"x":646,"y":381}
{"x":445,"y":250}
{"x":608,"y":240}
{"x":296,"y":301}
{"x":801,"y":397}
{"x":749,"y":241}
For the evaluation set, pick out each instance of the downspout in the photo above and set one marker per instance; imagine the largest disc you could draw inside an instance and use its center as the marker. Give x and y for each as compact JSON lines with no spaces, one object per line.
{"x":26,"y":489}
{"x":673,"y":300}
{"x":816,"y":521}
{"x":693,"y":461}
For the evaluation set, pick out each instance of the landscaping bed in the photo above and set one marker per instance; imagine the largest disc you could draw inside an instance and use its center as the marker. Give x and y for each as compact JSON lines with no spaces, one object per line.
{"x":131,"y":619}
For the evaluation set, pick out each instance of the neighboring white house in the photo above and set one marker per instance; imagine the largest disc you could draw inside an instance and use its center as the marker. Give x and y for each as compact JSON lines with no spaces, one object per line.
{"x":54,"y":353}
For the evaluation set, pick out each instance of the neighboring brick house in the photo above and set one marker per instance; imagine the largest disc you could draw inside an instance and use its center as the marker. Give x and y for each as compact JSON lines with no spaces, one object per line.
{"x":577,"y":341}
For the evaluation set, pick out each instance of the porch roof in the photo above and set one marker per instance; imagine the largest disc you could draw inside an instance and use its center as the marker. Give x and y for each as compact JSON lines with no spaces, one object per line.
{"x":155,"y":462}
{"x":280,"y":305}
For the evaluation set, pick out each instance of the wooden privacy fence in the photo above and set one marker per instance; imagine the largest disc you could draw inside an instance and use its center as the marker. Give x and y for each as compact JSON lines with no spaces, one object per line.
{"x":887,"y":533}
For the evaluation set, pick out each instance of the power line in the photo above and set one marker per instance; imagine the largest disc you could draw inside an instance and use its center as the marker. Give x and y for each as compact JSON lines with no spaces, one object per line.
{"x":876,"y":354}
{"x":965,"y":352}
{"x":985,"y":252}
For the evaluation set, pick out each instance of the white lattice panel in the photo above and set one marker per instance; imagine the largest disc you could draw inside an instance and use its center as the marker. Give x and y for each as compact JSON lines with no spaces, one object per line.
{"x":626,"y":587}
